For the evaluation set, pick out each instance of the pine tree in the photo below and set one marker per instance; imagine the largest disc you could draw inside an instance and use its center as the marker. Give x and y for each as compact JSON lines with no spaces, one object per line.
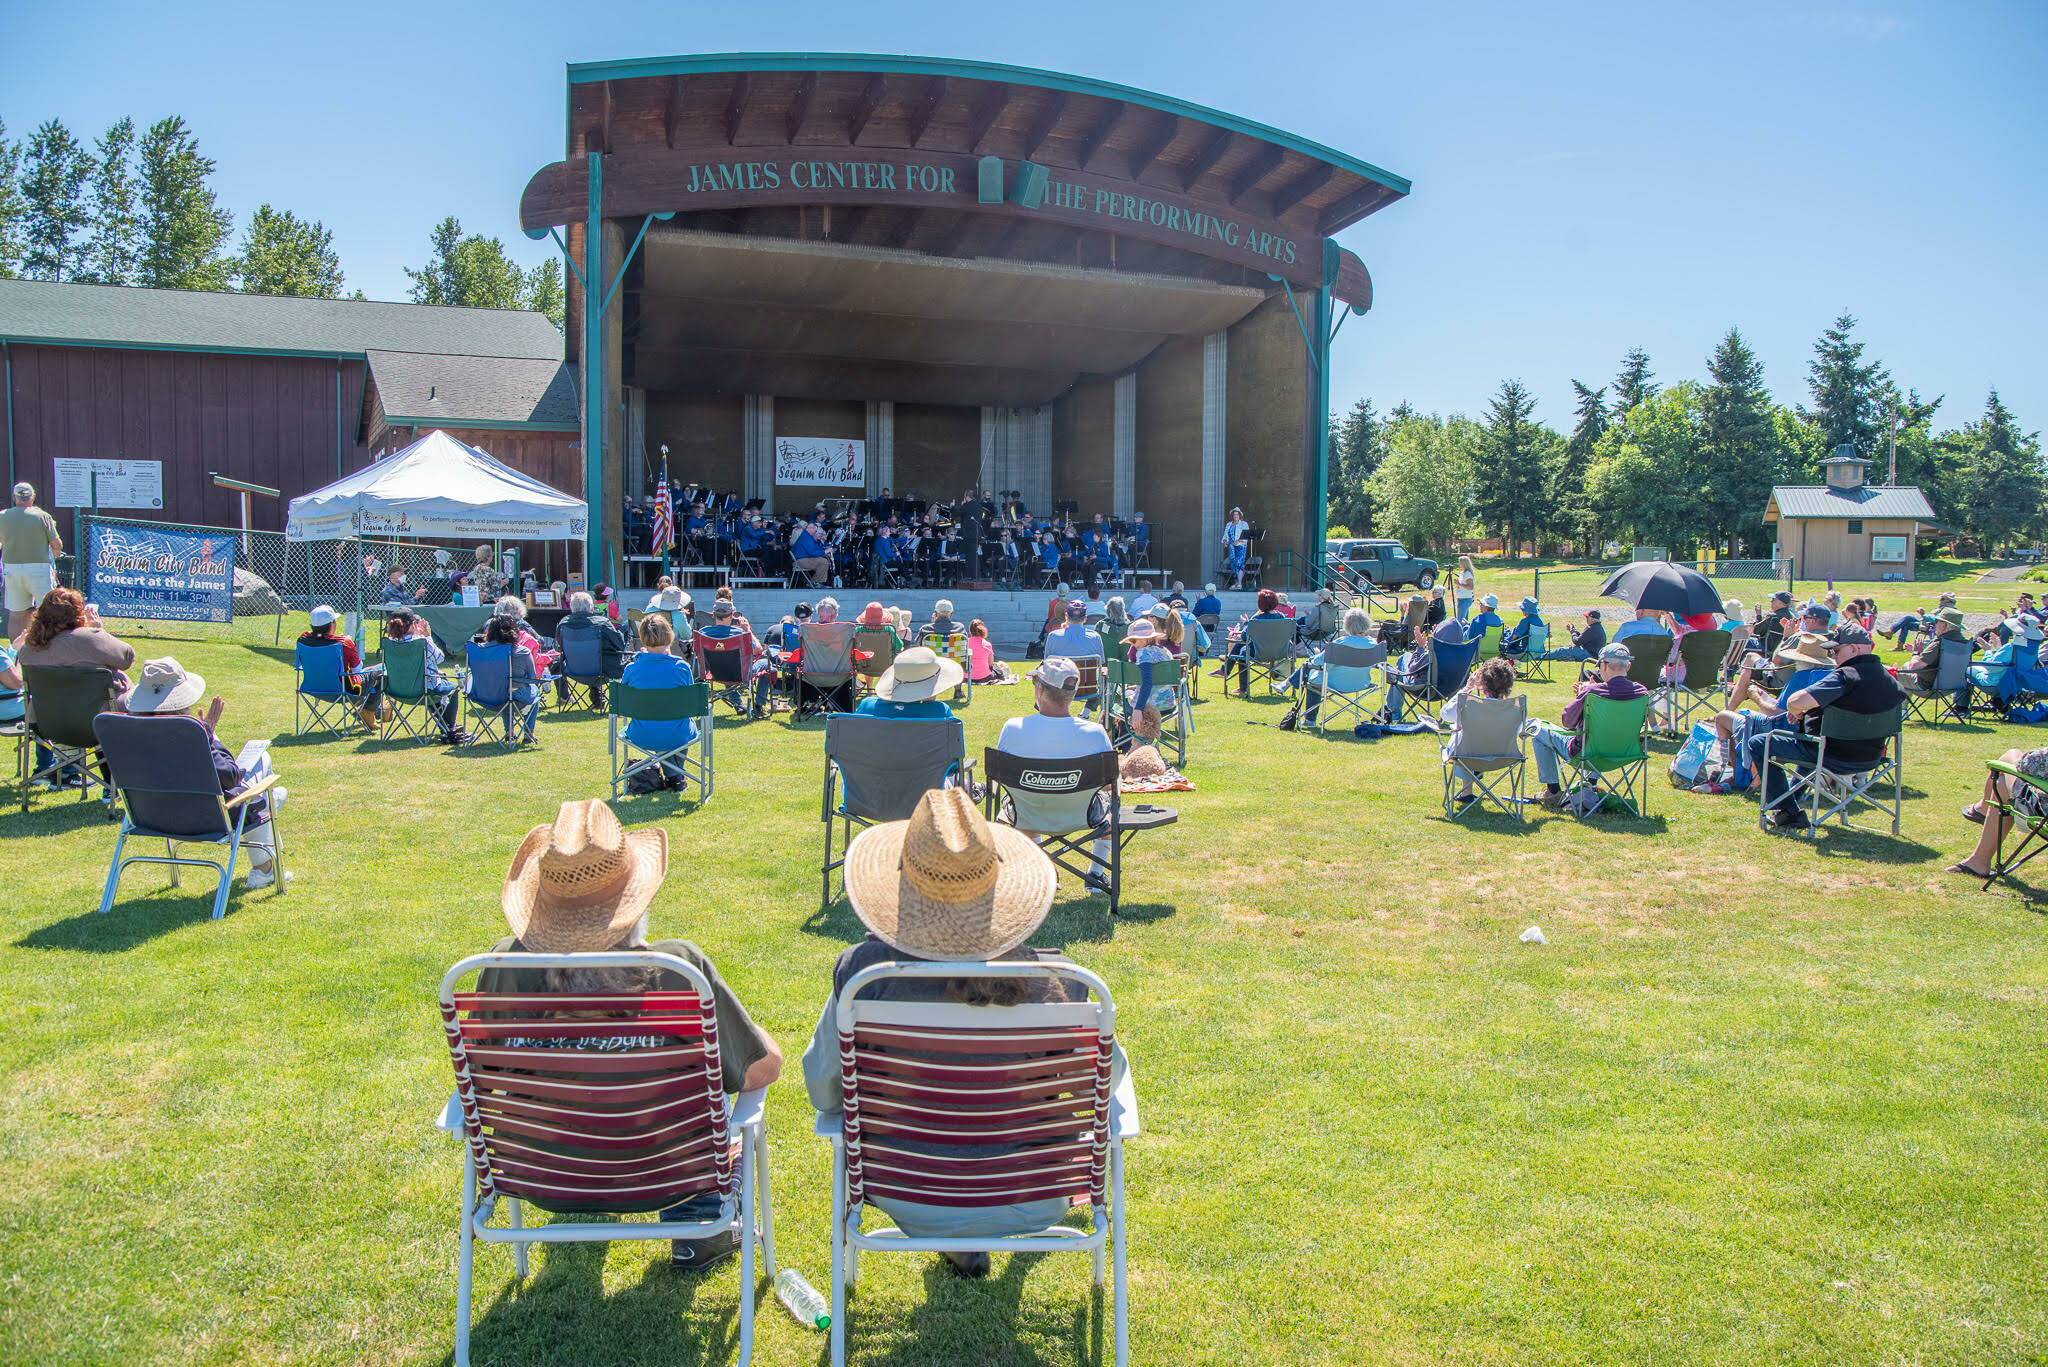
{"x":1738,"y":454}
{"x":1571,"y":509}
{"x":1510,"y":478}
{"x":184,"y":231}
{"x":2003,"y":488}
{"x":544,"y":290}
{"x":1633,"y":384}
{"x":112,"y":255}
{"x":1849,"y":403}
{"x":53,"y":191}
{"x":284,"y":254}
{"x":12,"y":209}
{"x":1357,"y":445}
{"x":471,"y":271}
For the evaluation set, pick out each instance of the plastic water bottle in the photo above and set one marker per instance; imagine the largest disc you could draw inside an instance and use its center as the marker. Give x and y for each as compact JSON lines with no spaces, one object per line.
{"x":802,"y":1299}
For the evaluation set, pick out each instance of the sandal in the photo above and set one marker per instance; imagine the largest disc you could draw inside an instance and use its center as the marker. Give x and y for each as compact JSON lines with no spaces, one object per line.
{"x":1960,"y":867}
{"x":1974,"y":812}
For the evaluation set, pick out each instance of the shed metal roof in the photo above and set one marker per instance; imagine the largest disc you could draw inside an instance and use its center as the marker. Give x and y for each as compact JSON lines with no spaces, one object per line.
{"x":1820,"y":500}
{"x":66,"y":314}
{"x":423,"y":388}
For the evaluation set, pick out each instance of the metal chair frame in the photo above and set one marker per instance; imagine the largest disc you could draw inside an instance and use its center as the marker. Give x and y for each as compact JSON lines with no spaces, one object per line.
{"x":492,"y":720}
{"x":1474,"y":769}
{"x":689,"y":702}
{"x":1168,"y":677}
{"x":1071,"y":849}
{"x":318,"y":708}
{"x":406,"y":710}
{"x":1815,"y":784}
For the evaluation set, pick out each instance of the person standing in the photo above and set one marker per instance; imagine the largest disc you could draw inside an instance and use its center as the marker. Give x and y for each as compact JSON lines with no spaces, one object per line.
{"x":1235,"y":546}
{"x":1467,"y":584}
{"x":29,"y":547}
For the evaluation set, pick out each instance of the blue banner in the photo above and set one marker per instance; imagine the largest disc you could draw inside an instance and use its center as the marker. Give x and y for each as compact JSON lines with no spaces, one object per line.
{"x":162,"y":575}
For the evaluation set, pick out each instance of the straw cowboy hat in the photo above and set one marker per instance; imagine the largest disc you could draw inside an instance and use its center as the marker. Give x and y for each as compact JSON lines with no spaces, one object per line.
{"x":1141,"y":630}
{"x":948,"y":883}
{"x":1808,"y":648}
{"x":580,"y":884}
{"x":917,"y":674}
{"x":165,"y":686}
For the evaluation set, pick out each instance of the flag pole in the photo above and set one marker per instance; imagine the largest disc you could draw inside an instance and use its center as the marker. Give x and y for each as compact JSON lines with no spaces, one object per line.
{"x":670,"y":520}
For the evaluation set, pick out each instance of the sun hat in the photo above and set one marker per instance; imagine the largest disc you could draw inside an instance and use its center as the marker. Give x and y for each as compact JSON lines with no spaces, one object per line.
{"x":579,"y":884}
{"x":321,"y":616}
{"x":916,"y":674}
{"x":1531,"y":605}
{"x":1159,"y":612}
{"x":1615,"y":650}
{"x":1809,"y":648}
{"x":1946,"y":597}
{"x":165,"y":686}
{"x":1490,"y":601}
{"x":668,"y":600}
{"x":948,"y":884}
{"x":1057,"y":671}
{"x":1953,"y":616}
{"x":2026,"y":626}
{"x":873,"y":615}
{"x":1857,"y":636}
{"x":1142,"y":630}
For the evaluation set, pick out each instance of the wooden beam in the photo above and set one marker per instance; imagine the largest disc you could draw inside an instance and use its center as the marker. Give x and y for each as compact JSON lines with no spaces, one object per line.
{"x":1348,"y":208}
{"x":986,"y":114}
{"x":1041,"y":127}
{"x":905,"y":227}
{"x":1257,"y":169}
{"x":927,"y":106}
{"x":1162,"y":137}
{"x":849,"y":220}
{"x":864,"y":109}
{"x":736,"y":105}
{"x":949,"y":241}
{"x":800,"y":107}
{"x":672,"y":111}
{"x":1111,"y":117}
{"x":1301,"y":187}
{"x":1211,"y":153}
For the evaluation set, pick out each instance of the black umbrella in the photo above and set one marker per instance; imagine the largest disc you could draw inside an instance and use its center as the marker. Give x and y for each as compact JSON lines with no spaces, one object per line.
{"x":1663,"y":587}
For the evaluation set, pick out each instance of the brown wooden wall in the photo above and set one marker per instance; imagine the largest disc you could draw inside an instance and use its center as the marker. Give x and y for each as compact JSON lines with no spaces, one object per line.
{"x":706,"y":439}
{"x":938,"y":451}
{"x":266,"y":419}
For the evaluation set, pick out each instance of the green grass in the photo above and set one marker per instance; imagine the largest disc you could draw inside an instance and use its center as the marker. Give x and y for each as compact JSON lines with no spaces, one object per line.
{"x":1758,"y":1100}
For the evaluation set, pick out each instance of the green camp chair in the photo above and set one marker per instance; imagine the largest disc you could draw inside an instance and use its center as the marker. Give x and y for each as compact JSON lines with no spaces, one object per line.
{"x":688,"y":702}
{"x":405,"y":684}
{"x":1113,"y":634}
{"x":1121,"y":680}
{"x":1489,"y":643}
{"x":1829,"y":789}
{"x":1697,"y":691}
{"x":2035,"y":828}
{"x":874,"y":650}
{"x":1649,"y":654}
{"x":1613,"y":752}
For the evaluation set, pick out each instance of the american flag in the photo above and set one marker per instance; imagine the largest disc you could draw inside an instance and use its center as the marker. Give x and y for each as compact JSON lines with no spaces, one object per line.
{"x":664,"y":519}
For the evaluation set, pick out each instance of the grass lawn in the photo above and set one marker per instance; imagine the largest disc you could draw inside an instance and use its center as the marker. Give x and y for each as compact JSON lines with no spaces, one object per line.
{"x":1758,"y":1099}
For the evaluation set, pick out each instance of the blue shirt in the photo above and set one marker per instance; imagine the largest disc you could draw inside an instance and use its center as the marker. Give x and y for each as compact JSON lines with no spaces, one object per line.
{"x":1640,"y":626}
{"x":658,"y":669}
{"x":806,"y":546}
{"x":1799,"y":680}
{"x":1476,"y":628}
{"x":1208,"y":605}
{"x":1049,"y":552}
{"x":1522,"y":628}
{"x":10,"y":698}
{"x":901,"y":711}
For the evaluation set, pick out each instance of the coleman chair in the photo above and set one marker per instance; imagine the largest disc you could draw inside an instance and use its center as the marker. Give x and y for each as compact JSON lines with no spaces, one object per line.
{"x":63,"y":700}
{"x":825,"y":670}
{"x":323,"y":700}
{"x":876,"y":769}
{"x":1271,"y":648}
{"x":1614,"y":754}
{"x":727,"y":664}
{"x":1343,"y":676}
{"x":1121,"y":681}
{"x":1489,"y":643}
{"x":163,"y":769}
{"x":487,"y":699}
{"x":607,"y":1104}
{"x":1530,"y":666}
{"x":1067,"y":805}
{"x":687,"y":703}
{"x":1697,"y":689}
{"x":1946,"y":700}
{"x":405,"y":683}
{"x":1648,"y":654}
{"x":1438,"y":681}
{"x":874,"y":650}
{"x":972,"y":1107}
{"x":2034,"y":827}
{"x":1827,"y":789}
{"x":1484,"y":752}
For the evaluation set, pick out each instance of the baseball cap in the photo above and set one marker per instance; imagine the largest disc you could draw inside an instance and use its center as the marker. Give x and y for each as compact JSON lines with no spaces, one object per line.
{"x":1615,"y":650}
{"x":321,"y":615}
{"x":721,"y":608}
{"x":1076,"y":608}
{"x":1849,"y":636}
{"x":1056,"y":671}
{"x":1782,"y":596}
{"x":24,"y":490}
{"x":800,"y":610}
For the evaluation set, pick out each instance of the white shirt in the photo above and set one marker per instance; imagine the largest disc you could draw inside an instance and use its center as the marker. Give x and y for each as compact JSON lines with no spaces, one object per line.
{"x":1233,"y":532}
{"x":1038,"y":736}
{"x":1073,"y":641}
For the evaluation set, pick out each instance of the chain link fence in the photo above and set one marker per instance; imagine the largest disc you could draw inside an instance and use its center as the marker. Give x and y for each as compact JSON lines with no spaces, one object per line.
{"x":1579,"y":585}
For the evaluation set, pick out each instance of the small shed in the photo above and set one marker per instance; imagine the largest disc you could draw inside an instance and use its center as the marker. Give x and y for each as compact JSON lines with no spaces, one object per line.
{"x":1845,"y":529}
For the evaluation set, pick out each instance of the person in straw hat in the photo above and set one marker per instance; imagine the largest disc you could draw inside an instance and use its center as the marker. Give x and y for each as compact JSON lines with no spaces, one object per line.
{"x":165,"y":688}
{"x":1858,"y":685}
{"x":1801,"y":660}
{"x":945,"y":885}
{"x":582,"y":885}
{"x":911,"y":685}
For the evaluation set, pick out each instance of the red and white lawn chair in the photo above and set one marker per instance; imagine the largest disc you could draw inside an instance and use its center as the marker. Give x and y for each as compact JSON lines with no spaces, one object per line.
{"x":1036,"y":1095}
{"x":658,"y":1130}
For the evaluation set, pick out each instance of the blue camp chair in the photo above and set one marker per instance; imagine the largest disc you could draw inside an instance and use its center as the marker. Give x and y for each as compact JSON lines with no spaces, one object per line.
{"x":1528,"y":661}
{"x":323,"y":698}
{"x":487,"y":693}
{"x":1426,"y":690}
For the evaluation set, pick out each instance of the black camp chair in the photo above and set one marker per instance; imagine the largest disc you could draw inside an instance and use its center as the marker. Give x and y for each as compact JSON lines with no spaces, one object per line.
{"x":1066,"y":805}
{"x":825,"y":671}
{"x":163,"y":769}
{"x":64,"y":699}
{"x":876,"y":768}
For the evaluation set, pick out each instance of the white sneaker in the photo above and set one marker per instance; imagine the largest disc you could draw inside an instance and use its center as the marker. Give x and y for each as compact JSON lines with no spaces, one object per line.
{"x":261,"y":878}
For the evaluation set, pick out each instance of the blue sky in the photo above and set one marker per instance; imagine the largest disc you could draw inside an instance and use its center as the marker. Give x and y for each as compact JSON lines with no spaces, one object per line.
{"x":1587,"y":177}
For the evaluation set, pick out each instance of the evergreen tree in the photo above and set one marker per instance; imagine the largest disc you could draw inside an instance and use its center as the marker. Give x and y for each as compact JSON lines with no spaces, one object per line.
{"x":1357,"y":443}
{"x":1571,"y":510}
{"x":544,"y":290}
{"x":2002,"y":485}
{"x":1642,"y":476}
{"x":284,"y":254}
{"x":1849,"y":393}
{"x":1510,"y":479}
{"x":112,"y":255}
{"x":1632,"y":386}
{"x":471,"y":271}
{"x":12,"y":209}
{"x":184,"y":231}
{"x":1738,"y":453}
{"x":53,"y":180}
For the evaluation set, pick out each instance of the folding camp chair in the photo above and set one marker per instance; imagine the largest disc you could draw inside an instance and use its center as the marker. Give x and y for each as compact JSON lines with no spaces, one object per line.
{"x":978,"y":1106}
{"x":1530,"y":666}
{"x":1827,"y":789}
{"x":323,"y":699}
{"x":826,"y":667}
{"x":62,"y":702}
{"x":1946,"y":701}
{"x":582,"y":661}
{"x":1113,"y":635}
{"x":1088,"y":684}
{"x":953,"y":646}
{"x":1066,"y":805}
{"x":689,"y":702}
{"x":1121,"y":681}
{"x":606,"y":1104}
{"x":1343,"y":665}
{"x":874,"y":650}
{"x":2035,"y":826}
{"x":405,"y":684}
{"x":1648,"y":654}
{"x":876,"y":769}
{"x":1486,"y":740}
{"x":1489,"y":643}
{"x":726,"y":663}
{"x":487,"y":693}
{"x":1272,"y":650}
{"x":1450,"y":664}
{"x":1614,"y":753}
{"x":1698,"y":688}
{"x":163,"y":769}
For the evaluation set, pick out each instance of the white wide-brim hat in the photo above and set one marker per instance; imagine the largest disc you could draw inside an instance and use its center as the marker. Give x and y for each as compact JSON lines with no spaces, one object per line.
{"x":165,"y":686}
{"x":916,"y":674}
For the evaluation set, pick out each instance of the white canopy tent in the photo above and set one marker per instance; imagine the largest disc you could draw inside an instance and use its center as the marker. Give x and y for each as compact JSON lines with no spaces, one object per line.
{"x":437,"y":487}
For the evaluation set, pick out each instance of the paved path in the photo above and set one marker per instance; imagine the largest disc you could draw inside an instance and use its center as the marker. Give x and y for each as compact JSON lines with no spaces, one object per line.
{"x":2005,"y":574}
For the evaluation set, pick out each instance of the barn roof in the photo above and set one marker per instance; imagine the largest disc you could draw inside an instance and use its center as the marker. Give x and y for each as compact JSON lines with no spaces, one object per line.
{"x":1820,"y":500}
{"x":425,"y":389}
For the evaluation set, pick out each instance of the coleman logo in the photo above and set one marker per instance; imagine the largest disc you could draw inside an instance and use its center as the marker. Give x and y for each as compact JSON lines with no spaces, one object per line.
{"x":1064,"y":781}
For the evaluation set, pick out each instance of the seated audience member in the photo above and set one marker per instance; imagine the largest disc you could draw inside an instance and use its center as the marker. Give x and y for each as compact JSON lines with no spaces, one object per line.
{"x":582,"y":885}
{"x":1737,"y":629}
{"x":64,"y":630}
{"x":981,"y":655}
{"x":1314,"y":675}
{"x":827,"y":611}
{"x":1775,"y":622}
{"x":1919,"y":673}
{"x":1242,"y":652}
{"x":164,"y":688}
{"x":405,"y":625}
{"x":12,"y":691}
{"x":582,"y":625}
{"x":1145,"y":646}
{"x":2024,"y":798}
{"x":1170,"y":626}
{"x":1515,"y":640}
{"x":656,"y":666}
{"x":1807,"y":659}
{"x":1193,"y":640}
{"x":1114,"y":613}
{"x":544,"y":660}
{"x":946,"y":885}
{"x":1587,"y":642}
{"x":1410,"y":674}
{"x":1910,"y":622}
{"x":1208,"y":605}
{"x":875,"y":615}
{"x":2019,"y":643}
{"x":1494,"y":679}
{"x":1550,"y":744}
{"x":504,"y":631}
{"x":910,"y":687}
{"x":1816,"y":618}
{"x":320,"y":631}
{"x":1646,"y":622}
{"x":1076,"y":639}
{"x":942,"y":624}
{"x":1052,"y":731}
{"x":1145,"y":599}
{"x":1436,"y":612}
{"x":1858,"y":683}
{"x":1488,"y":616}
{"x":395,"y":594}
